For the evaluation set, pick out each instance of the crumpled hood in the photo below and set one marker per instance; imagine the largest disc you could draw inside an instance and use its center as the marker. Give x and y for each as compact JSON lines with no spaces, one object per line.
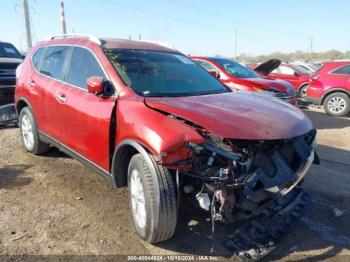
{"x":239,"y":115}
{"x":270,"y":84}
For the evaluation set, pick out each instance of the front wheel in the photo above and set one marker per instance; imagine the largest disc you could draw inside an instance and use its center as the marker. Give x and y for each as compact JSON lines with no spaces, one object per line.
{"x":337,"y":104}
{"x":152,"y":204}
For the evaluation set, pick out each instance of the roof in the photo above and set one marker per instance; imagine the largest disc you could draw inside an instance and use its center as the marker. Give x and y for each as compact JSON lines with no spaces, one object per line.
{"x":112,"y":43}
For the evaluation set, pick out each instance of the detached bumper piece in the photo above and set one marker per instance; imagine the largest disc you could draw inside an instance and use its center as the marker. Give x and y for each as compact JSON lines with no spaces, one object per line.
{"x":258,"y":236}
{"x":8,"y":115}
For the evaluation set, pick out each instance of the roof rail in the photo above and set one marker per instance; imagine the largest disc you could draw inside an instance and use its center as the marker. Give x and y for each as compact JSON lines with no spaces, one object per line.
{"x":92,"y":38}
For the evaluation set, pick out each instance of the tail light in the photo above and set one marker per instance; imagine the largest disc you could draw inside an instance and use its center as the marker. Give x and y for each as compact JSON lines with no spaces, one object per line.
{"x":315,"y":78}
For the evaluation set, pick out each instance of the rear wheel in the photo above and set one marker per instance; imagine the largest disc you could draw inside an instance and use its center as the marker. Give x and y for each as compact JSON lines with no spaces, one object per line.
{"x":152,"y":205}
{"x":337,"y":104}
{"x":29,"y":133}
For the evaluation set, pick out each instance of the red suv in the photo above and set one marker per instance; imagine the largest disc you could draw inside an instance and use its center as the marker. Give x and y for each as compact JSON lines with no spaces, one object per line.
{"x":241,"y":78}
{"x":296,"y":75}
{"x":146,"y":116}
{"x":330,"y":87}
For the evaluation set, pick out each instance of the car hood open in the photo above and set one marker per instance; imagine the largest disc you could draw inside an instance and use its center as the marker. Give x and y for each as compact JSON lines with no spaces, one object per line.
{"x":267,"y":67}
{"x":239,"y":115}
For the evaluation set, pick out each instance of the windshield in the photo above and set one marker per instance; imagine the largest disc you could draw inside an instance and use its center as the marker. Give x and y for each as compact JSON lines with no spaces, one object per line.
{"x":154,"y":73}
{"x":235,"y":69}
{"x":8,"y":50}
{"x":302,"y":69}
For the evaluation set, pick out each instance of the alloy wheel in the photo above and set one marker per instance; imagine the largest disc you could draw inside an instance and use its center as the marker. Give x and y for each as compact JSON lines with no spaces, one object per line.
{"x":336,"y":104}
{"x":138,"y":202}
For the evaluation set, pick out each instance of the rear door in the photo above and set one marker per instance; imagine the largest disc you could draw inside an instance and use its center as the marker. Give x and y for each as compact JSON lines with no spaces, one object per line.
{"x":50,"y":64}
{"x":85,"y":118}
{"x":342,"y":77}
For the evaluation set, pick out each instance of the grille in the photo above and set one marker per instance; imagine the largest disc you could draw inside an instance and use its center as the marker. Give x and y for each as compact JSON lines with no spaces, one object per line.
{"x":289,"y":97}
{"x":8,"y":69}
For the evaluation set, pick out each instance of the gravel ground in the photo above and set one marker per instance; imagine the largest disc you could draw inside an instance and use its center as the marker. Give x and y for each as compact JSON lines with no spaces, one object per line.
{"x":53,"y":205}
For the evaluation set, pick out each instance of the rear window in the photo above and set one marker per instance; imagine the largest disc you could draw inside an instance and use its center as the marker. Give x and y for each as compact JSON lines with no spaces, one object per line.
{"x":54,"y":61}
{"x":345,"y":70}
{"x":9,"y":51}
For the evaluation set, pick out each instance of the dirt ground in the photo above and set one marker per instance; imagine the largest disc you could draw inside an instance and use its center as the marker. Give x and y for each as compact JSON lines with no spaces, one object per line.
{"x":53,"y":205}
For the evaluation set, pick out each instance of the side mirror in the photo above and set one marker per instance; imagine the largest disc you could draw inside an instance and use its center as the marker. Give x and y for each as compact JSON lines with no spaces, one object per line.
{"x":296,"y":74}
{"x":214,"y":73}
{"x":95,"y":85}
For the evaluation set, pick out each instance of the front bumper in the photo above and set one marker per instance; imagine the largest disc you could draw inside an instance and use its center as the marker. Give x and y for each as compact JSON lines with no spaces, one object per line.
{"x":259,"y":236}
{"x":313,"y":100}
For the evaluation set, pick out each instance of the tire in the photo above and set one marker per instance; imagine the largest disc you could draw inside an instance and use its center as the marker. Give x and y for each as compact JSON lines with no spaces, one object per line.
{"x":302,"y":92}
{"x":29,"y":133}
{"x":337,"y":104}
{"x":154,"y":222}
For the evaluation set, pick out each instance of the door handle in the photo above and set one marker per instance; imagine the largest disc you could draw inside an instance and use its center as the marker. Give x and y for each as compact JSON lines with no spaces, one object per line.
{"x":61,"y":98}
{"x":32,"y":83}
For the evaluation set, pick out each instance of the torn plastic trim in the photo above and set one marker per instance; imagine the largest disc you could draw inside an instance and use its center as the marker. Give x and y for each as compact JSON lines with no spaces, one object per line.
{"x":8,"y":114}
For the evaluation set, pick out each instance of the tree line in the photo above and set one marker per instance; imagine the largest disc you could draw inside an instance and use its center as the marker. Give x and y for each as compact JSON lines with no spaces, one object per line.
{"x":296,"y":56}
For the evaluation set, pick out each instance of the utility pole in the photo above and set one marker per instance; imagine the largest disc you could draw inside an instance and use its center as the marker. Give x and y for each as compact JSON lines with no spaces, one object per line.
{"x":236,"y":42}
{"x":140,"y":37}
{"x":27,"y":23}
{"x":311,"y":48}
{"x":63,"y":19}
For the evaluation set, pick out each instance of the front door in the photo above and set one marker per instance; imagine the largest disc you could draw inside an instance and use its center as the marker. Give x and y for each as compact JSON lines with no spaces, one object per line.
{"x":85,"y":117}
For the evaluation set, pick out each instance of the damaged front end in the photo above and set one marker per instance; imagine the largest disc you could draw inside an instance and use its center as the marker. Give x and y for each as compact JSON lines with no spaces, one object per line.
{"x":251,"y":183}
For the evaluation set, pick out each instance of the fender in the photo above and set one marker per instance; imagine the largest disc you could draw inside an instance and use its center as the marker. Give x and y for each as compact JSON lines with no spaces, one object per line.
{"x":333,"y":90}
{"x":120,"y":164}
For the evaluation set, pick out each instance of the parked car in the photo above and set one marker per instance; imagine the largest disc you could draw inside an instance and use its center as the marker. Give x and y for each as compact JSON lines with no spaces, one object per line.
{"x":296,"y":75}
{"x":10,"y":58}
{"x":146,"y":116}
{"x":330,"y":87}
{"x":241,"y":78}
{"x":310,"y":68}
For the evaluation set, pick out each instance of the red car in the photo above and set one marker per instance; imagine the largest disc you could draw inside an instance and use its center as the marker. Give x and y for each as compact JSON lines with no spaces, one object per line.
{"x":296,"y":75}
{"x":240,"y":78}
{"x":330,"y":87}
{"x":146,"y":116}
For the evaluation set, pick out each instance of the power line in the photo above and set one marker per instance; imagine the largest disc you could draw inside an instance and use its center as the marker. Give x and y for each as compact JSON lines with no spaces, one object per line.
{"x":236,"y":20}
{"x":169,"y":17}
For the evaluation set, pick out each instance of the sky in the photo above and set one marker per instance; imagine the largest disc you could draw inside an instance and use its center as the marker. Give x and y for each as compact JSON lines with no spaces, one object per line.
{"x":195,"y":27}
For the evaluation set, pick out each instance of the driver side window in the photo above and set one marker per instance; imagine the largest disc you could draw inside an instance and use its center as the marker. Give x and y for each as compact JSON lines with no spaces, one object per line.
{"x":82,"y":66}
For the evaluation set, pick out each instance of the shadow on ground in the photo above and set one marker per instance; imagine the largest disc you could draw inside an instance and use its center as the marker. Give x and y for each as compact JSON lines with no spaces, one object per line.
{"x":11,"y":177}
{"x":322,"y":120}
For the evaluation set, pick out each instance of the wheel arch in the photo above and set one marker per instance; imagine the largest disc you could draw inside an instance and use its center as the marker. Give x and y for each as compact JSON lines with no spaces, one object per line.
{"x":332,"y":91}
{"x":22,"y":103}
{"x":302,"y":85}
{"x":121,"y":158}
{"x":120,"y":164}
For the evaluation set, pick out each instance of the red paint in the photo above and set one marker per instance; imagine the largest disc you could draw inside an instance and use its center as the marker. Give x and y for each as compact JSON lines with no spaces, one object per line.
{"x":324,"y":82}
{"x":82,"y":121}
{"x":95,"y":84}
{"x":247,"y":84}
{"x":297,"y":80}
